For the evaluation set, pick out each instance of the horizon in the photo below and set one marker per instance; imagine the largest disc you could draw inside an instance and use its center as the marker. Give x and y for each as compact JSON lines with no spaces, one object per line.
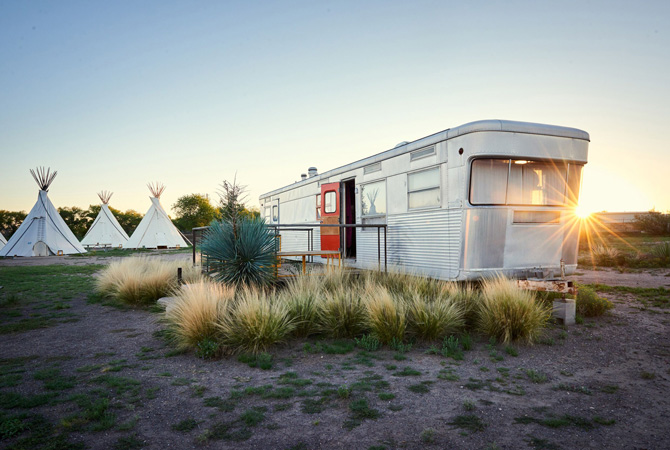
{"x":114,"y":96}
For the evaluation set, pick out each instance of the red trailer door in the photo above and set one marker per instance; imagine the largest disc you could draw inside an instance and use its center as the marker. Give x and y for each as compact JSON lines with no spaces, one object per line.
{"x":330,"y":215}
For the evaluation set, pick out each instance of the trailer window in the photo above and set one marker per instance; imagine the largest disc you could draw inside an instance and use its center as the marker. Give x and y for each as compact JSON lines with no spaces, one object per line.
{"x":524,"y":182}
{"x":275,"y":213}
{"x":423,"y":188}
{"x":330,"y":198}
{"x":318,"y":206}
{"x":488,"y":183}
{"x":373,"y":199}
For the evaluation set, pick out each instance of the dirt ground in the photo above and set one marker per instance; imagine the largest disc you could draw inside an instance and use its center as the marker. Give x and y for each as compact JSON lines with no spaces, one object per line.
{"x":601,"y":384}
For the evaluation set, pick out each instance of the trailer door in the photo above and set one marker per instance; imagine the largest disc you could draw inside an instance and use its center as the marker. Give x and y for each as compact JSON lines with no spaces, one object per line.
{"x":330,"y":215}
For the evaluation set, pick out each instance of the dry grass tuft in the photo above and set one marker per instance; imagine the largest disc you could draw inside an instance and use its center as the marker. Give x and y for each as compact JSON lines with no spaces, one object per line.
{"x":386,"y":313}
{"x":434,"y":318}
{"x":140,"y":280}
{"x":509,"y":313}
{"x":255,"y":322}
{"x":302,"y":296}
{"x":196,"y":311}
{"x":341,"y":313}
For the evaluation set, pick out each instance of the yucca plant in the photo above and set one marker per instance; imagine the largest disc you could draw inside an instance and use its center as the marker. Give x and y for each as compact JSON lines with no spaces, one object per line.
{"x":342,"y":313}
{"x":255,"y":322}
{"x":386,"y":315}
{"x":433,"y":318}
{"x":508,"y":313}
{"x":194,"y":315}
{"x":241,"y":252}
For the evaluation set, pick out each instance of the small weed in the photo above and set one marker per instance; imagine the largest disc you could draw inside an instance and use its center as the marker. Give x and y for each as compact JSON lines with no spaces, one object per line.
{"x":428,"y":435}
{"x":254,"y":416}
{"x":448,"y":374}
{"x":262,"y":360}
{"x":131,"y":442}
{"x":535,"y":376}
{"x":207,"y":348}
{"x":368,"y":342}
{"x":399,"y":357}
{"x":344,"y":392}
{"x":609,"y":389}
{"x":451,"y":348}
{"x":511,"y":351}
{"x":573,"y":388}
{"x":407,"y":372}
{"x":400,"y":347}
{"x":647,"y":375}
{"x":420,"y":388}
{"x":601,"y":421}
{"x":469,"y":405}
{"x":386,"y":396}
{"x":185,"y":425}
{"x":360,"y":410}
{"x":469,"y":422}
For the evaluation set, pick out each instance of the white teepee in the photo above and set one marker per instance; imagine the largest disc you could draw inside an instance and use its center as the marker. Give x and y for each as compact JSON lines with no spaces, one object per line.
{"x":156,"y":230}
{"x":3,"y":241}
{"x":105,"y":230}
{"x":44,"y":231}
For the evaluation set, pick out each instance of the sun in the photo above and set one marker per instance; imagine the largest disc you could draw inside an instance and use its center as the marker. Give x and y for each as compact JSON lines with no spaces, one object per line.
{"x":583,"y":212}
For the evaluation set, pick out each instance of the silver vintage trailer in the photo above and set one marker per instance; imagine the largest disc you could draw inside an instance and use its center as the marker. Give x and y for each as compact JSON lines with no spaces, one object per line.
{"x":487,"y":197}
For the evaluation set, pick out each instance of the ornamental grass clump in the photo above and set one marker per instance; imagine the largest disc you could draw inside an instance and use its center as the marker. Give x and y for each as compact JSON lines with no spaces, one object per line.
{"x":194,"y":315}
{"x":254,"y":322}
{"x":467,"y":298}
{"x":341,"y":313}
{"x":301,"y":297}
{"x":142,"y":280}
{"x":508,"y":313}
{"x":431,"y":319}
{"x":386,"y":313}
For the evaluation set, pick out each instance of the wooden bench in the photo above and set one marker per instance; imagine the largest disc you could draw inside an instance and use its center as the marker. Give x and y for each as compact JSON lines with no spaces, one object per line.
{"x":328,"y":254}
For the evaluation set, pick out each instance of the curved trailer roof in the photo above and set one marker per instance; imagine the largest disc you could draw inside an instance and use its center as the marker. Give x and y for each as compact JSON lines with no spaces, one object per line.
{"x":507,"y":126}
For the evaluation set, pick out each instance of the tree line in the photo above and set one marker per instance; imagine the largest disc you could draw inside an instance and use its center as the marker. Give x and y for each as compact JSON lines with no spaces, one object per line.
{"x":191,"y":211}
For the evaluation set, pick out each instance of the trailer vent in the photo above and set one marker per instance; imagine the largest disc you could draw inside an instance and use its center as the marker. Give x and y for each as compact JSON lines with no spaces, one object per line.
{"x":424,"y":152}
{"x":376,"y":167}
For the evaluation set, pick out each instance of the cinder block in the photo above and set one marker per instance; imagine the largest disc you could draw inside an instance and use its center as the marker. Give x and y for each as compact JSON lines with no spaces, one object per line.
{"x":564,"y":310}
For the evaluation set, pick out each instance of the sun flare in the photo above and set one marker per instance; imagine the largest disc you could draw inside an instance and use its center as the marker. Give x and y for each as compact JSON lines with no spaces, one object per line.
{"x":583,"y":212}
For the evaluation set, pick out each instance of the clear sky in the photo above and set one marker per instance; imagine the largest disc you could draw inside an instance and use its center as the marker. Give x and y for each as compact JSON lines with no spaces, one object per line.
{"x":116,"y":94}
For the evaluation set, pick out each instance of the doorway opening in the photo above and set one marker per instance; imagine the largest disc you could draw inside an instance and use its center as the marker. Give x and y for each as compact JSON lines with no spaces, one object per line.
{"x":349,"y":216}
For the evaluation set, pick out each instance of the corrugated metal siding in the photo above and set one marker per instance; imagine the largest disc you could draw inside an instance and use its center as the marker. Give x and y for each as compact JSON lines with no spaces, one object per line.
{"x":366,"y":248}
{"x":421,"y":242}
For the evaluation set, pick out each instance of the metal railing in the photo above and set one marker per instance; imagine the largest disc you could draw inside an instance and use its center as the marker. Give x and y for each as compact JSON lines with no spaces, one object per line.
{"x":309,"y":228}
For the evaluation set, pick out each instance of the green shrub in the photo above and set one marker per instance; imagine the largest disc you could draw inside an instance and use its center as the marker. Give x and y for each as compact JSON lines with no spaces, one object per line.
{"x":588,"y":304}
{"x":508,"y":313}
{"x":241,"y":252}
{"x":255,"y":322}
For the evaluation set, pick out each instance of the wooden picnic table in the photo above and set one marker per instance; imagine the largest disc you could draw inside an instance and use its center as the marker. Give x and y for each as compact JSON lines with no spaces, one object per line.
{"x":328,"y":254}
